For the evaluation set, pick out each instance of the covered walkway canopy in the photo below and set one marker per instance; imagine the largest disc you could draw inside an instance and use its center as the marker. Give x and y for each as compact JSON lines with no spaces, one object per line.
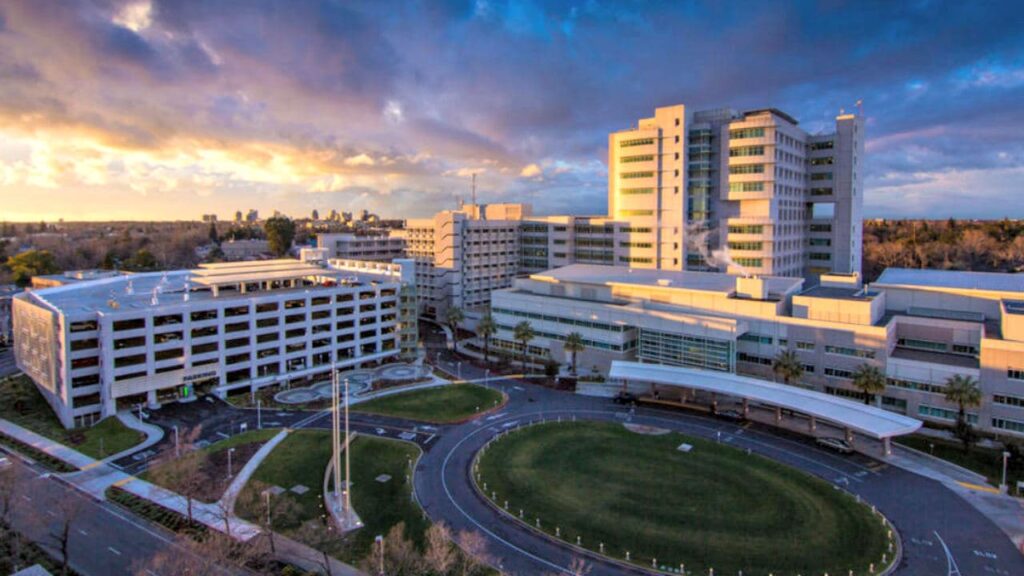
{"x":867,"y":420}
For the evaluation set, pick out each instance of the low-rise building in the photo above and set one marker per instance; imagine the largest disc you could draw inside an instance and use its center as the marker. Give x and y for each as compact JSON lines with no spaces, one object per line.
{"x":96,"y":346}
{"x":381,"y":247}
{"x":919,"y":327}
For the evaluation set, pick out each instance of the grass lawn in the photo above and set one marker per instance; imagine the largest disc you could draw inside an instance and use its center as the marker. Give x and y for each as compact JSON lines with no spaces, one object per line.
{"x":21,"y":403}
{"x":714,"y":507}
{"x":214,"y":462}
{"x":985,"y":461}
{"x":440,"y":405}
{"x":302,"y":459}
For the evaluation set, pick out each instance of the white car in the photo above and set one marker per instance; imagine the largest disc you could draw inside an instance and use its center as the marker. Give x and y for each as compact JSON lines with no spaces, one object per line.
{"x":837,"y":444}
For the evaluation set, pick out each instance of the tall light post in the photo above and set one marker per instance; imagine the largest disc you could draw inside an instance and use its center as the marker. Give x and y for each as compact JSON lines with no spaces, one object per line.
{"x":380,"y":542}
{"x":347,"y":502}
{"x":259,"y":414}
{"x":230,"y":451}
{"x":458,"y":369}
{"x":177,"y":452}
{"x":1003,"y":487}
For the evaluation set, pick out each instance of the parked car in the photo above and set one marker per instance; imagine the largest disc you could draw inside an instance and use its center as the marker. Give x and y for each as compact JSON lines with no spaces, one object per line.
{"x":733,"y":415}
{"x":836,"y":444}
{"x":625,"y":398}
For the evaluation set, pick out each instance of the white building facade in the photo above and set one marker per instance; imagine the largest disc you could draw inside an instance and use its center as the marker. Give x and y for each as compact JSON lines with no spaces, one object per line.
{"x":95,"y":347}
{"x":920,"y":327}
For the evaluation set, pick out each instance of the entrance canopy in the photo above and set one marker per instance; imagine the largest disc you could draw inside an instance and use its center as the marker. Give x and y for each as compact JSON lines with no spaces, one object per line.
{"x":867,"y":420}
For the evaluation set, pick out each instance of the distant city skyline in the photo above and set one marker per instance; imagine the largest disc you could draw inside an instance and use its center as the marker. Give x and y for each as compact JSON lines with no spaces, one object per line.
{"x":152,"y":110}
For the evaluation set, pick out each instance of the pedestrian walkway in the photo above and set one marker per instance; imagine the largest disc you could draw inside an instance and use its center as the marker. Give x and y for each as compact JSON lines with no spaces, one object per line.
{"x":154,"y":434}
{"x":227,"y":501}
{"x":53,"y":448}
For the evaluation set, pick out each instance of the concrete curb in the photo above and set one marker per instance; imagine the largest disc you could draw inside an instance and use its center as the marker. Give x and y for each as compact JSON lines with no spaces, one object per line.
{"x":227,"y":500}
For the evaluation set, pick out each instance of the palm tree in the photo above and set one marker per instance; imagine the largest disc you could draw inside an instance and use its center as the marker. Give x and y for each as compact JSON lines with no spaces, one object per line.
{"x":787,"y":365}
{"x":870,"y":380}
{"x":573,"y":345}
{"x":485,"y":329}
{"x":454,"y":316}
{"x":964,"y":392}
{"x":523,"y":333}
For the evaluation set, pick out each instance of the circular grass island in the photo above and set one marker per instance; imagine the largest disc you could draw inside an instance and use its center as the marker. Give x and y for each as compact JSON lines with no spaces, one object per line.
{"x":712,"y":507}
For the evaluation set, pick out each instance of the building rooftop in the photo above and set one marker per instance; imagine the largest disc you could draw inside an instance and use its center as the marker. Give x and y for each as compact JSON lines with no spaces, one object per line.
{"x":685,"y":280}
{"x":952,"y":279}
{"x":840,"y":293}
{"x":173,"y":288}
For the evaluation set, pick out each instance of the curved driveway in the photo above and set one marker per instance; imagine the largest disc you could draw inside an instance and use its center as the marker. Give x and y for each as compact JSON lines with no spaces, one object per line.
{"x":941,"y":532}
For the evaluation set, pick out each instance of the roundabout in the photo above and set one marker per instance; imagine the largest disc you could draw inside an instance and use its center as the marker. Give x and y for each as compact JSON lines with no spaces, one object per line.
{"x":639,"y":498}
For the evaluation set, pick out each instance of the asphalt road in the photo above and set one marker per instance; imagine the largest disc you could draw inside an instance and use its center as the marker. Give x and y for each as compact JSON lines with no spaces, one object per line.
{"x":104,"y":539}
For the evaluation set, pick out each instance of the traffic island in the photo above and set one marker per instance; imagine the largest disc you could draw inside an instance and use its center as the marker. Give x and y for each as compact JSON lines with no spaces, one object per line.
{"x":644,"y":500}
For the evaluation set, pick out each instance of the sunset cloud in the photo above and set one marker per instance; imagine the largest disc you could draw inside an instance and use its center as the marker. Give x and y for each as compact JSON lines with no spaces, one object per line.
{"x":170,"y":109}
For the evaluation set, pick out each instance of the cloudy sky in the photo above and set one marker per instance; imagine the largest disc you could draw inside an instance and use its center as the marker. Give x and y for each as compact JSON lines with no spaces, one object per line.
{"x":163,"y":109}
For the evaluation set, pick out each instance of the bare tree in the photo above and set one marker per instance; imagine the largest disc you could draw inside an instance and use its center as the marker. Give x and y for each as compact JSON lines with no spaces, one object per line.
{"x":474,"y":552}
{"x":67,"y":510}
{"x":439,"y":556}
{"x":181,"y":469}
{"x":318,"y":536}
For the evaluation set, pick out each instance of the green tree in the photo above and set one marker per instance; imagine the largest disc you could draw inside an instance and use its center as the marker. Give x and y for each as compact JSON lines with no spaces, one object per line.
{"x":788,"y":366}
{"x":280,"y":231}
{"x":31,"y":263}
{"x":574,"y":345}
{"x":964,"y":392}
{"x":142,"y":260}
{"x":485,"y":329}
{"x":453,"y":317}
{"x":869,"y":380}
{"x":523,"y":333}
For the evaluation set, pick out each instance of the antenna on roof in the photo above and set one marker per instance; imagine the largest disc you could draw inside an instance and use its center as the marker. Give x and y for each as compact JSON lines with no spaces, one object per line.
{"x":860,"y":107}
{"x":474,"y":188}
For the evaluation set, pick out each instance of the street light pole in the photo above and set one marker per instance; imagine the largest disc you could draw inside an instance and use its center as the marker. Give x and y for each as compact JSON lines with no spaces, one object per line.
{"x":259,"y":414}
{"x":458,"y":368}
{"x":380,"y":542}
{"x":177,"y":452}
{"x":230,"y":450}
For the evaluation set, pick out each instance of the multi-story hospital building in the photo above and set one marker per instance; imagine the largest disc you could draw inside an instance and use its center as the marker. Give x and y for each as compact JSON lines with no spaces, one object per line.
{"x":95,"y":346}
{"x":919,"y":326}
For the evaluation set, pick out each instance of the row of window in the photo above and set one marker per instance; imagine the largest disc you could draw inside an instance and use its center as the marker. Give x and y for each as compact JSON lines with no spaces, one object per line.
{"x":636,"y":191}
{"x":746,"y":151}
{"x":747,"y":169}
{"x":628,"y":213}
{"x":561,"y":320}
{"x":640,"y":158}
{"x":747,"y":133}
{"x":633,"y":175}
{"x":746,"y":186}
{"x":847,"y":351}
{"x":746,"y":245}
{"x":636,"y":142}
{"x":747,"y":229}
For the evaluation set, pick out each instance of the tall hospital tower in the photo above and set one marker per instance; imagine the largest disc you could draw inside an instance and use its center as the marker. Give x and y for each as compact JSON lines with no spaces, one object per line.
{"x":741,"y":192}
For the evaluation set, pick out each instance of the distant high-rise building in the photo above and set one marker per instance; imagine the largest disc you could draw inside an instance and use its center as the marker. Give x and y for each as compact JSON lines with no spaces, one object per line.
{"x":739,"y":192}
{"x":238,"y":216}
{"x":315,"y":215}
{"x":209,"y":217}
{"x":253,"y":216}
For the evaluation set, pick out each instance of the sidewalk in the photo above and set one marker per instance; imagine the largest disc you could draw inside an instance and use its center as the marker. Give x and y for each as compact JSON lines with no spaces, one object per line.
{"x":43,"y":444}
{"x":227,"y":501}
{"x":154,"y":434}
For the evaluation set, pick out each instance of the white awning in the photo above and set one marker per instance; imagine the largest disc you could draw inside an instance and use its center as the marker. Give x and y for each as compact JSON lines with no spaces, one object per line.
{"x":867,"y":420}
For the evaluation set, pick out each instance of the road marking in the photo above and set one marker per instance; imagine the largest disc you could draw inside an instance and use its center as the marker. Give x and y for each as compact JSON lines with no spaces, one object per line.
{"x":978,"y":487}
{"x":26,"y":497}
{"x":989,"y":555}
{"x":954,"y":570}
{"x":151,"y":573}
{"x":432,"y":436}
{"x":114,"y":550}
{"x":83,"y":532}
{"x":51,"y":513}
{"x":223,"y":435}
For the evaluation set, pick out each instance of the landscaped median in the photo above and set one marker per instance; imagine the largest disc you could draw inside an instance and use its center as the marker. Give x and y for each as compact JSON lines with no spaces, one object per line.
{"x":439,"y":405}
{"x":291,"y":480}
{"x":985,"y":461}
{"x":22,"y":404}
{"x":664,"y":500}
